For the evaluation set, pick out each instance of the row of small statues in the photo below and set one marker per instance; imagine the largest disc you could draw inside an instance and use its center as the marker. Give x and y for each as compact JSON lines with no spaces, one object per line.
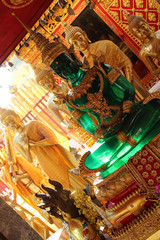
{"x":99,"y":98}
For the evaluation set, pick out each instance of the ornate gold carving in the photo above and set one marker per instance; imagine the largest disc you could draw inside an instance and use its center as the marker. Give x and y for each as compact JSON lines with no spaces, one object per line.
{"x":131,"y":205}
{"x":131,"y":141}
{"x":115,"y":3}
{"x":154,"y":173}
{"x":140,"y":4}
{"x":114,"y":184}
{"x":150,"y":159}
{"x":76,"y":114}
{"x":84,"y":171}
{"x":113,"y":75}
{"x":15,"y":4}
{"x":125,"y":200}
{"x":140,"y":167}
{"x":154,"y":145}
{"x":127,"y":3}
{"x":140,"y":228}
{"x":143,"y":161}
{"x":97,"y":102}
{"x":152,"y":17}
{"x":158,"y":179}
{"x":148,"y":166}
{"x":156,"y":165}
{"x":121,"y":136}
{"x":152,"y":4}
{"x":150,"y":182}
{"x":115,"y":14}
{"x":145,"y":174}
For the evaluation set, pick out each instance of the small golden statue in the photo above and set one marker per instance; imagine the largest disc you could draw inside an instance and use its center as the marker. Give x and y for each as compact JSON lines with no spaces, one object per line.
{"x":151,"y":41}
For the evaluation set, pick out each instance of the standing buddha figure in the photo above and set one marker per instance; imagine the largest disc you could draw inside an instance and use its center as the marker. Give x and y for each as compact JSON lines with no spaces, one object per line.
{"x":102,"y":101}
{"x":36,"y":139}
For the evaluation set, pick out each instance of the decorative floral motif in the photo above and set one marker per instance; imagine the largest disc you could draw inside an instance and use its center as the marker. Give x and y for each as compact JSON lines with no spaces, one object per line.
{"x":143,"y":161}
{"x":150,"y":159}
{"x":148,"y":167}
{"x":140,"y":168}
{"x":145,"y":174}
{"x":135,"y":161}
{"x":154,"y":173}
{"x":144,"y":153}
{"x":158,"y":179}
{"x":151,"y":182}
{"x":156,"y":165}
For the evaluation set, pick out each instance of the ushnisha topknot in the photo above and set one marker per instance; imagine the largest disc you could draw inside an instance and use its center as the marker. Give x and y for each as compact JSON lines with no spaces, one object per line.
{"x":70,"y":30}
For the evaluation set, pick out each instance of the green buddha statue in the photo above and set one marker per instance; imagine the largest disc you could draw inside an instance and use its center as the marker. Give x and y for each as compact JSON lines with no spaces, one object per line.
{"x":103,"y":104}
{"x":102,"y":101}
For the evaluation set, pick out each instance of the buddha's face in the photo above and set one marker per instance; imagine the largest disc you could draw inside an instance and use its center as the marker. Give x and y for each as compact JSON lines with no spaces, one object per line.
{"x":13,"y":123}
{"x":142,"y":30}
{"x":47,"y":82}
{"x":79,"y":41}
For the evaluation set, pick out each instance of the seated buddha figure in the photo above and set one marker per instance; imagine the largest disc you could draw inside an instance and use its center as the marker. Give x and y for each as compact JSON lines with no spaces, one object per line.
{"x":102,"y":101}
{"x":103,"y":104}
{"x":36,"y":139}
{"x":151,"y":41}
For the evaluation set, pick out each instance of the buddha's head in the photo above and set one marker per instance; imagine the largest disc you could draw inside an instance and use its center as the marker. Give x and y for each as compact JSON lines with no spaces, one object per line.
{"x":139,"y":26}
{"x":46,"y":80}
{"x":10,"y":119}
{"x":76,"y":36}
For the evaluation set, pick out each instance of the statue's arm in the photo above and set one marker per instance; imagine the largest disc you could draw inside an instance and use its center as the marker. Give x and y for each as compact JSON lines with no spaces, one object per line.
{"x":146,"y":57}
{"x":23,"y":148}
{"x":48,"y":136}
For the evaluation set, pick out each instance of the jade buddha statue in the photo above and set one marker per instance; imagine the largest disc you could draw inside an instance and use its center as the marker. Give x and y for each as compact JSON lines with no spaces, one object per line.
{"x":103,"y":104}
{"x":150,"y":50}
{"x":102,"y":101}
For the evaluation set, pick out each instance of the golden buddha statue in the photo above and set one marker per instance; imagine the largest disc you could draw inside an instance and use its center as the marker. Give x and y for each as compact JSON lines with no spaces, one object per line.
{"x":36,"y":139}
{"x":105,"y":49}
{"x":55,"y":103}
{"x":151,"y":41}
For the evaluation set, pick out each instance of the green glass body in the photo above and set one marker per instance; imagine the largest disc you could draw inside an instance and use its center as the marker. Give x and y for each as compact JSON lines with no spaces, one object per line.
{"x":142,"y":124}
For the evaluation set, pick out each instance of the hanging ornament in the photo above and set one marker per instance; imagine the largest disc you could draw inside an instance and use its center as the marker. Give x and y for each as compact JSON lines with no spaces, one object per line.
{"x":62,"y":3}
